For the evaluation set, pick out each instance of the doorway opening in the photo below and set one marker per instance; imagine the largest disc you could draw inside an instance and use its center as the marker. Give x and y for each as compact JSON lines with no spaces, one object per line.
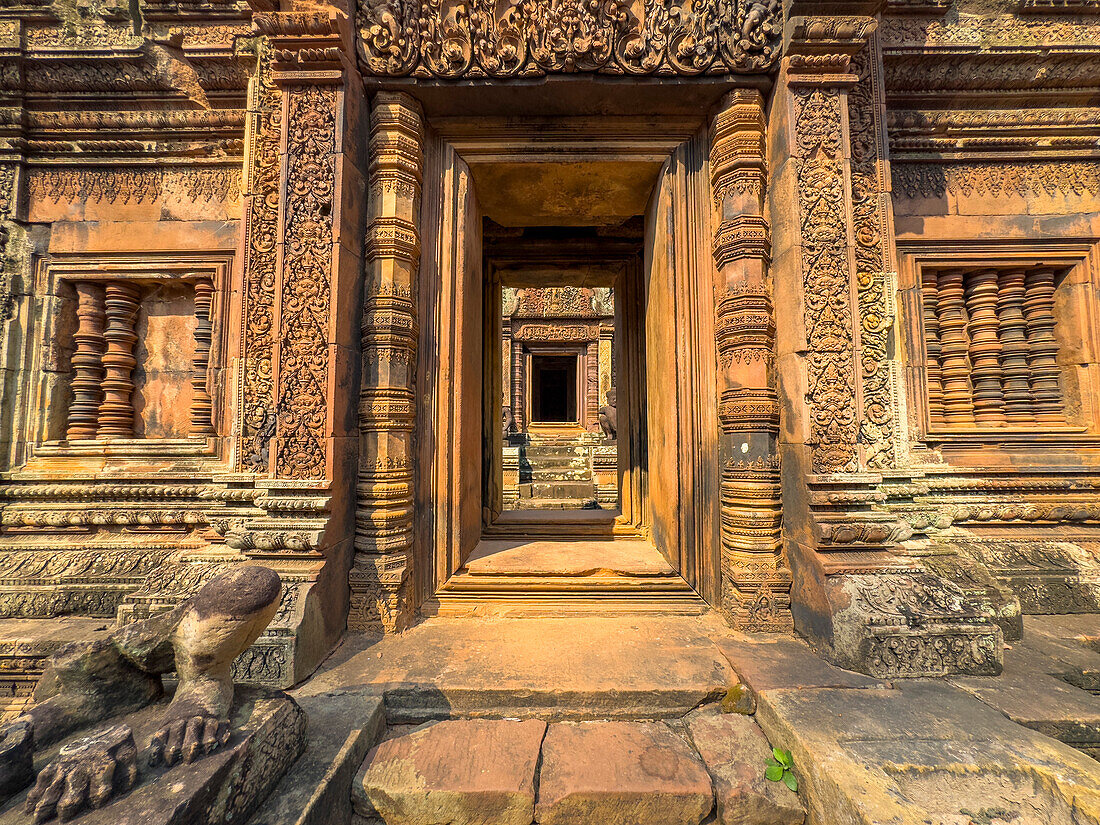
{"x":560,"y":374}
{"x":554,"y":389}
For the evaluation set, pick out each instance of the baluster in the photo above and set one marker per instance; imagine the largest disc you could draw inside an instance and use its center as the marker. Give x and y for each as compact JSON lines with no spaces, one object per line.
{"x":201,"y":403}
{"x":985,"y":347}
{"x":87,"y":362}
{"x":929,"y":298}
{"x":958,"y":407}
{"x":1014,"y":366}
{"x":1042,"y":346}
{"x":116,"y":412}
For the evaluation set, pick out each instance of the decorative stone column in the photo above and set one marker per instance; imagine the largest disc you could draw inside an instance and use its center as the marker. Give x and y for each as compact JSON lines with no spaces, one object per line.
{"x":384,"y":509}
{"x":201,"y":402}
{"x":856,"y":594}
{"x":87,"y":383}
{"x":116,"y":410}
{"x":755,"y":578}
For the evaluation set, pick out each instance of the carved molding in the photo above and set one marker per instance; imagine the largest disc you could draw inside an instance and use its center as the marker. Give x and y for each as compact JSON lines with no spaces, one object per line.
{"x":134,"y":184}
{"x":476,"y":38}
{"x":1020,"y":179}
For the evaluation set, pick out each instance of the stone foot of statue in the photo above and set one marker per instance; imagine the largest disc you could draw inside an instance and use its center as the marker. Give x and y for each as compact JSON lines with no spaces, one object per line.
{"x":86,"y":774}
{"x":87,"y":682}
{"x":223,"y":619}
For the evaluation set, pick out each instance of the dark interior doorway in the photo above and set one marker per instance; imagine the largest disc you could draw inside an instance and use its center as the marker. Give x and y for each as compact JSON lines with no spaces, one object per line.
{"x":554,"y":388}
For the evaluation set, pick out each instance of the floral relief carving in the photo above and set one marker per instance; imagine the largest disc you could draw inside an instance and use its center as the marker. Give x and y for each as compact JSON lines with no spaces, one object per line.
{"x":876,"y":429}
{"x":257,"y":395}
{"x":479,"y":38}
{"x":831,"y":390}
{"x":301,"y":402}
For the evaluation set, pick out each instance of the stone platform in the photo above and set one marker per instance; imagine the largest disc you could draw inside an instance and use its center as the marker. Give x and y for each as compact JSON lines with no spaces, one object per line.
{"x":603,"y":698}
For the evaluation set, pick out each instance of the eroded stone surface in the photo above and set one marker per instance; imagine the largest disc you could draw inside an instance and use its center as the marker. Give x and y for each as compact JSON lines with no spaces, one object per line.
{"x":925,"y":752}
{"x":638,"y":773}
{"x":458,"y":772}
{"x":226,"y":786}
{"x":735,"y":751}
{"x":641,"y":667}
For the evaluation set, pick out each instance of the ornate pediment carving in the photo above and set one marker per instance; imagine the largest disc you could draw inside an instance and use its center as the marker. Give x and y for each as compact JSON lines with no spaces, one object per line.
{"x":451,"y":39}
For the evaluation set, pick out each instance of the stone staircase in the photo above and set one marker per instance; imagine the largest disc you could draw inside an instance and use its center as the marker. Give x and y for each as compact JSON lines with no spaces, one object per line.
{"x":515,"y":772}
{"x":556,"y":474}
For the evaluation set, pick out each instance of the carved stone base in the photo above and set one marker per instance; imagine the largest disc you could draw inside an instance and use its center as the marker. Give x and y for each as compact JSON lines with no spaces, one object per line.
{"x":226,"y":786}
{"x":909,"y":623}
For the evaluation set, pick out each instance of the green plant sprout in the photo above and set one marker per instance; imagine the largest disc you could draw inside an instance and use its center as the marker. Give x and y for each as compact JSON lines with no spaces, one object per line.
{"x":780,"y":768}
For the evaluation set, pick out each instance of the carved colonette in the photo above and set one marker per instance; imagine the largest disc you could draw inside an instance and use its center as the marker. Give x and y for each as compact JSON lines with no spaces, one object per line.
{"x":755,"y":578}
{"x":384,"y":505}
{"x":862,"y":601}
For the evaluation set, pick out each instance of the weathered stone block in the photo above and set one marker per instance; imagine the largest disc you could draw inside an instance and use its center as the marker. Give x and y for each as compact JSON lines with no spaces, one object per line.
{"x":735,"y":751}
{"x":458,"y":772}
{"x":633,"y":773}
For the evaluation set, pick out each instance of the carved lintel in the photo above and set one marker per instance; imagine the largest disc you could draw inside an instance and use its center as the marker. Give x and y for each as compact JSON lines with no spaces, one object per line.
{"x":477,"y":39}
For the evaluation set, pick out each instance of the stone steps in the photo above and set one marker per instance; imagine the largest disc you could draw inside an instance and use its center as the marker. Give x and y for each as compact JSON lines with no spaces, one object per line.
{"x":583,"y":490}
{"x":514,"y":772}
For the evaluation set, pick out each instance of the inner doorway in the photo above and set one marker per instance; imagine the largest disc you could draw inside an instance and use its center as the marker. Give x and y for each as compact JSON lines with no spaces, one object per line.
{"x":554,"y":389}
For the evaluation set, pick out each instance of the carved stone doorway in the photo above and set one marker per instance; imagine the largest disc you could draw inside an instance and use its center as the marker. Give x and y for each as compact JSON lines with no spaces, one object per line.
{"x":708,"y":517}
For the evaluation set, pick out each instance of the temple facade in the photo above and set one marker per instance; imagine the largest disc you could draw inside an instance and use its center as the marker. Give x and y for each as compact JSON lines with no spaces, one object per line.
{"x":306,"y":284}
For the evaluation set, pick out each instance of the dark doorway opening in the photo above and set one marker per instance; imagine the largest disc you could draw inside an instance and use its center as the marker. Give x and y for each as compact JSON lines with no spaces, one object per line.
{"x":554,"y":388}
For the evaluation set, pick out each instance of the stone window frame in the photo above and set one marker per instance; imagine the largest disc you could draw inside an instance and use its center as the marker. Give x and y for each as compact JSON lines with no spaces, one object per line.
{"x":1080,"y":261}
{"x":52,"y":271}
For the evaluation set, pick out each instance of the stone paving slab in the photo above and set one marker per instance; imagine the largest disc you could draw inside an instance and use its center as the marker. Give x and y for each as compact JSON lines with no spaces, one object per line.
{"x":458,"y":772}
{"x":923,"y":753}
{"x":620,"y":773}
{"x":581,"y":668}
{"x":735,"y":752}
{"x":1039,"y":685}
{"x":766,"y":661}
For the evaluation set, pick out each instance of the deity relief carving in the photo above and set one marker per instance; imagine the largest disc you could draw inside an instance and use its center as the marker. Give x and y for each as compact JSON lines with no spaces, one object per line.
{"x":529,"y":38}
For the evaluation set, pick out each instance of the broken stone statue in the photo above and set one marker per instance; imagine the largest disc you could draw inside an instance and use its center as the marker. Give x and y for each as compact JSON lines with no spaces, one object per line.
{"x":86,"y":683}
{"x":608,"y":418}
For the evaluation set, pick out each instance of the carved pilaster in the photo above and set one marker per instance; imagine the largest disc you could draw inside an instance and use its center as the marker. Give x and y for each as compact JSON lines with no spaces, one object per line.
{"x":384,"y":514}
{"x":116,"y":411}
{"x":755,"y":577}
{"x":87,"y":383}
{"x":261,"y":213}
{"x":201,"y":402}
{"x":305,"y":294}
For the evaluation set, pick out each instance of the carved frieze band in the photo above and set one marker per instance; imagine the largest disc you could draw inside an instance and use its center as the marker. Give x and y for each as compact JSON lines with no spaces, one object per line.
{"x":384,"y":510}
{"x":480,"y":38}
{"x":302,"y":403}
